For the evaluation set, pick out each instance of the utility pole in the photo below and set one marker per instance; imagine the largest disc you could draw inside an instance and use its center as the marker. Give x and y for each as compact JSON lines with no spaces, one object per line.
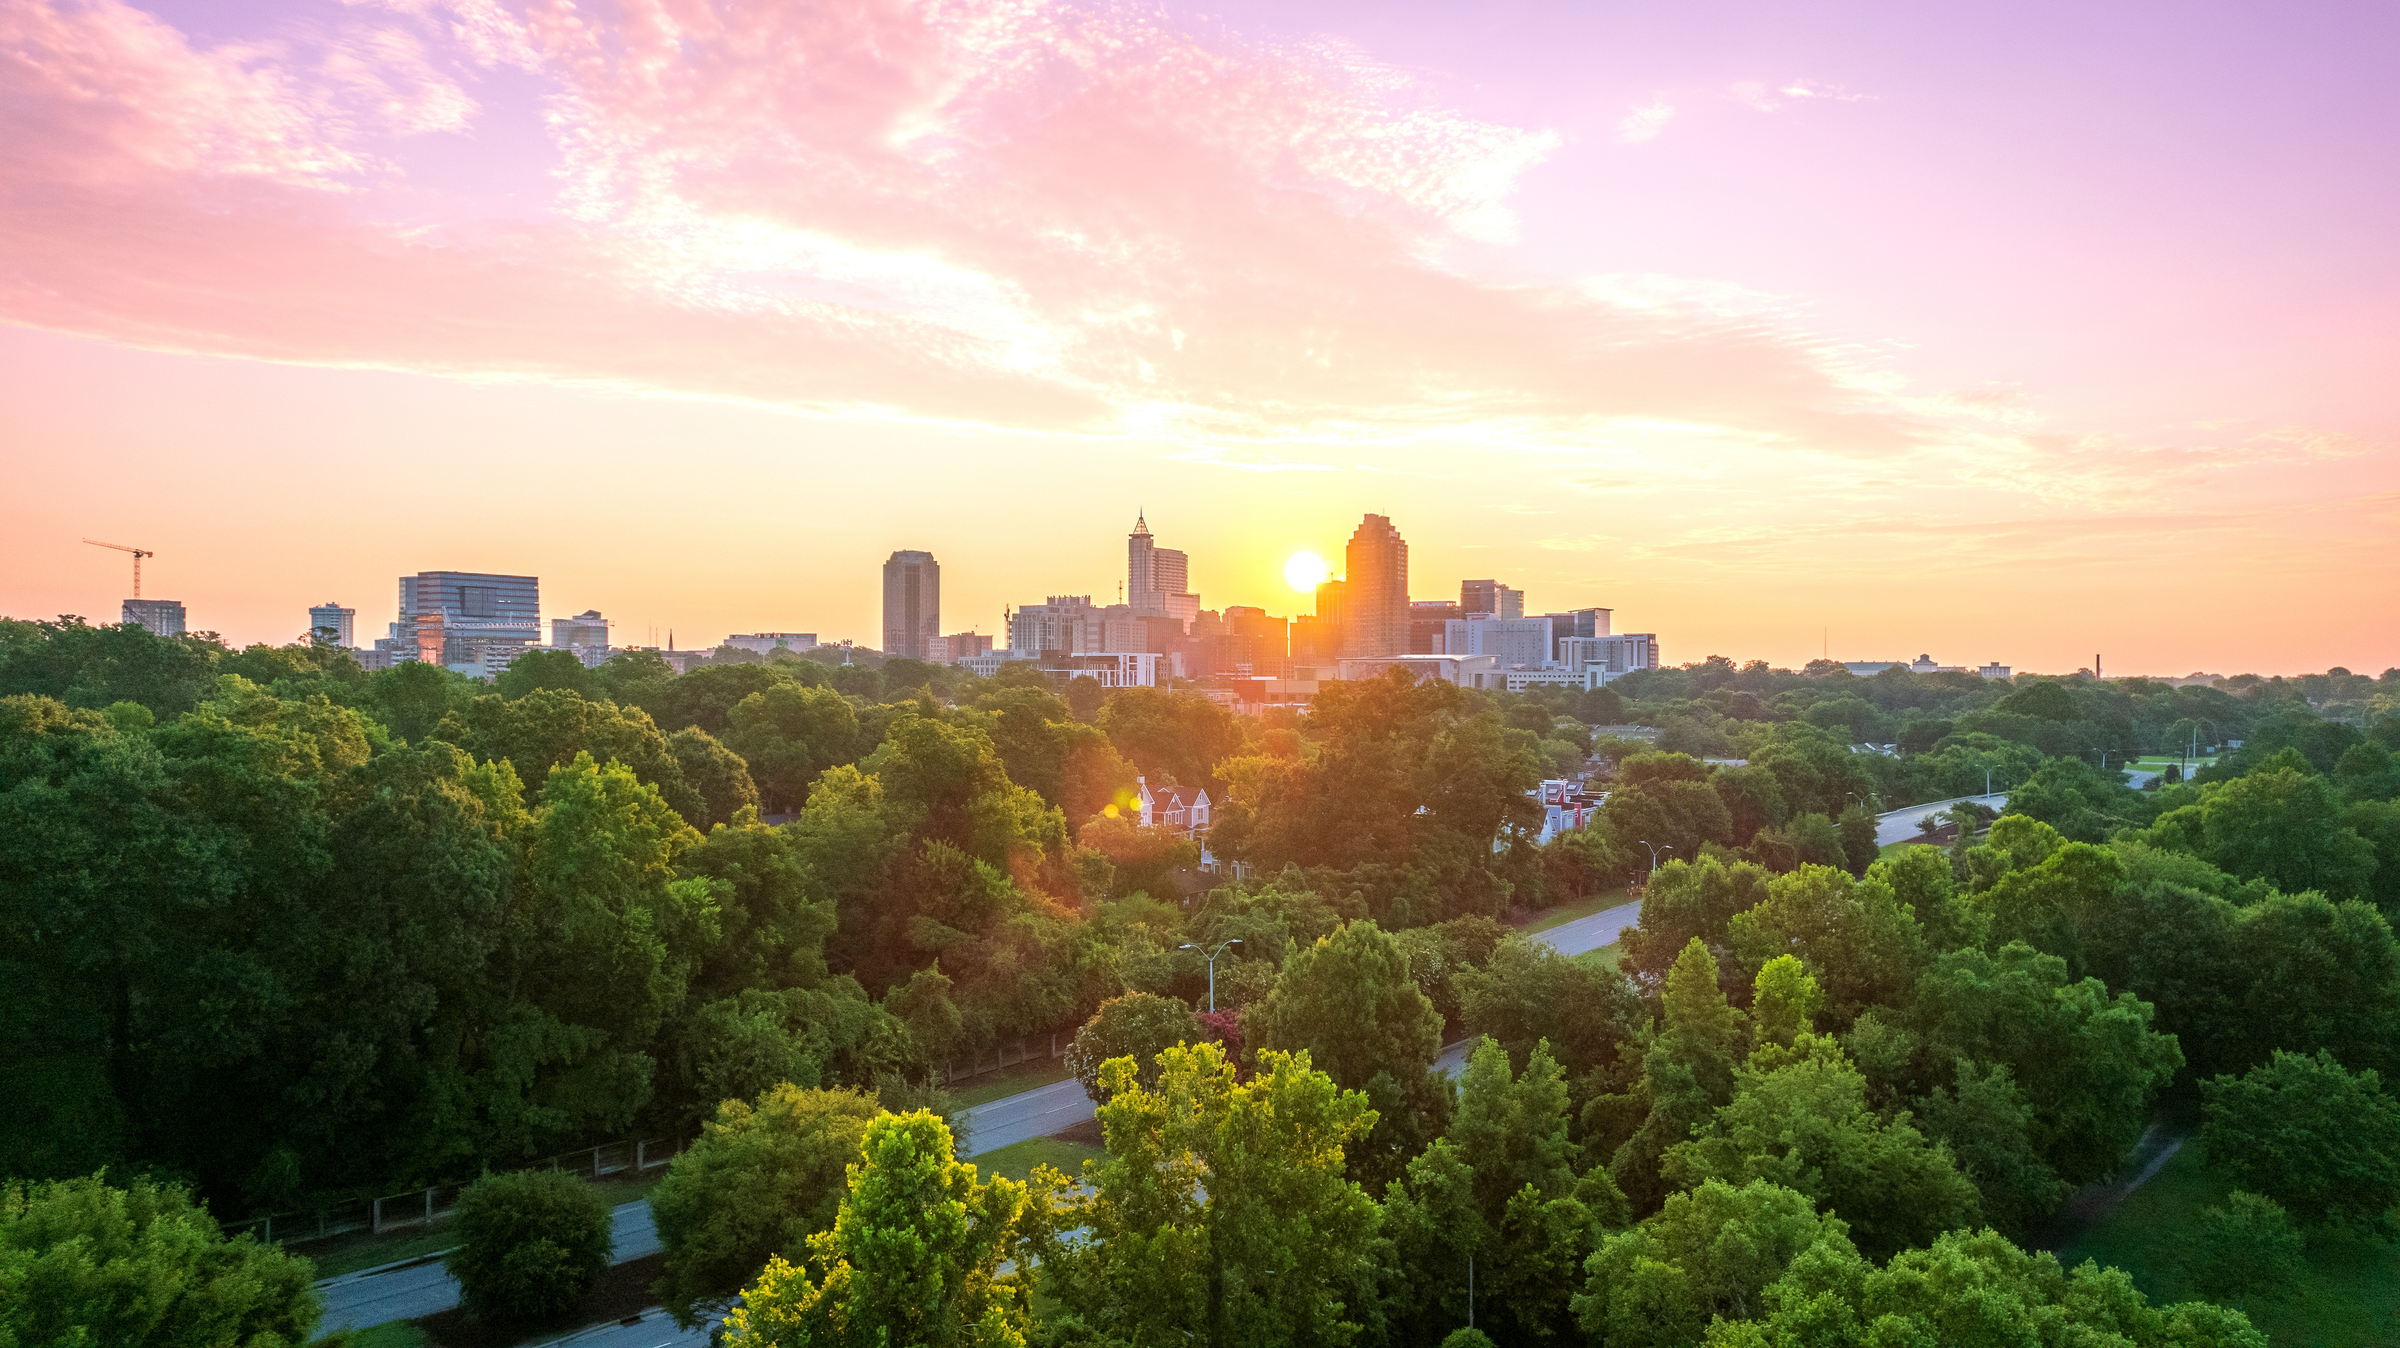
{"x":138,"y":555}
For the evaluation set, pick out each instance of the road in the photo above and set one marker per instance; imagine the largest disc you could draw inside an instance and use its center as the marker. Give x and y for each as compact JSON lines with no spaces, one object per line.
{"x":1901,"y":825}
{"x":405,"y":1291}
{"x":654,"y":1328}
{"x":1048,"y":1109}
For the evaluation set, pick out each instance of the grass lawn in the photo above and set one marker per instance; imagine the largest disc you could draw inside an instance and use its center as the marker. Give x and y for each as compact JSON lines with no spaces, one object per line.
{"x":2351,"y":1294}
{"x":340,"y":1256}
{"x":1559,"y":917}
{"x":1017,"y":1159}
{"x":1016,"y":1078}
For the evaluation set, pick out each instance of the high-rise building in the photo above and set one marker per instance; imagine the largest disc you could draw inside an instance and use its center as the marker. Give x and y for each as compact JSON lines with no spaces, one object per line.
{"x":162,"y":617}
{"x":1256,"y":639}
{"x":912,"y":604}
{"x":1375,"y":590}
{"x":1158,"y":580}
{"x":1425,"y":624}
{"x":329,"y":622}
{"x":1062,"y":623}
{"x":461,"y":618}
{"x":1490,"y":596}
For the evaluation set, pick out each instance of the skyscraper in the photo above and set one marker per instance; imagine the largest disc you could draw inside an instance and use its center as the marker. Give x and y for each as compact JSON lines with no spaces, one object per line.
{"x":331,"y":622}
{"x":1490,"y":596}
{"x":1158,"y":580}
{"x":456,"y":618}
{"x":912,"y":604}
{"x":1375,"y":591}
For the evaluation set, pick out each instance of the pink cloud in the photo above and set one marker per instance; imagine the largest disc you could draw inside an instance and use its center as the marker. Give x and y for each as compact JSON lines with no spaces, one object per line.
{"x":996,"y":212}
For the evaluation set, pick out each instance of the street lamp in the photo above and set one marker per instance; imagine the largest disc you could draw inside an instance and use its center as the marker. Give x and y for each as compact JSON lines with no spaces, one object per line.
{"x":1654,"y":851}
{"x":1212,"y":969}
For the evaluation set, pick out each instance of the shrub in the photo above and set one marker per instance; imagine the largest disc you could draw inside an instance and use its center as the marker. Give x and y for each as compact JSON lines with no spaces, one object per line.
{"x":530,"y":1245}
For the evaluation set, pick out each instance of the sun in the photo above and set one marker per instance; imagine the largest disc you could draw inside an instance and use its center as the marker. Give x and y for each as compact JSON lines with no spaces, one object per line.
{"x":1305,"y":571}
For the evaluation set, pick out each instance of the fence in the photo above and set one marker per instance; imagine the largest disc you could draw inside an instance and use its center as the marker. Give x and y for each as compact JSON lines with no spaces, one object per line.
{"x":423,"y":1207}
{"x":976,"y":1066}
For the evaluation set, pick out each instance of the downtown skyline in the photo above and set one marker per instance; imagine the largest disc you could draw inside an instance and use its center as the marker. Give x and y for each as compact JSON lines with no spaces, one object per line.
{"x":2017,"y":334}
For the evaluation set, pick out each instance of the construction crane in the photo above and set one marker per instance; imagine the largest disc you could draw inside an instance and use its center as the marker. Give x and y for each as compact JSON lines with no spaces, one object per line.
{"x":138,"y":555}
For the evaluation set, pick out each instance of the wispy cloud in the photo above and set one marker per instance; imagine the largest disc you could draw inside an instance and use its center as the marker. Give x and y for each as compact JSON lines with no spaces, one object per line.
{"x":1644,"y":122}
{"x":1775,"y":97}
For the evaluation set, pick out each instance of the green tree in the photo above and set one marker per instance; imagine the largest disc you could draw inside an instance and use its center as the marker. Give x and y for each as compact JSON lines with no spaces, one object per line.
{"x":1348,"y":1001}
{"x":2089,"y":1065}
{"x":1858,"y":839}
{"x":757,"y":1183}
{"x":1529,"y":993}
{"x":1136,"y":1025}
{"x":1687,"y":1073}
{"x":530,"y":1244}
{"x":2285,"y":825}
{"x":85,"y":1262}
{"x":88,"y":667}
{"x":536,"y":670}
{"x":1708,"y":1253}
{"x":548,"y":727}
{"x":1861,"y":945}
{"x":1799,"y":1118}
{"x":1989,"y":1127}
{"x":2247,"y":1248}
{"x":2310,"y":1135}
{"x":1784,"y":1001}
{"x":1222,"y":1211}
{"x":788,"y":734}
{"x":1688,"y":899}
{"x":913,"y":1257}
{"x":1500,"y":1188}
{"x":1970,"y":1288}
{"x":717,"y":776}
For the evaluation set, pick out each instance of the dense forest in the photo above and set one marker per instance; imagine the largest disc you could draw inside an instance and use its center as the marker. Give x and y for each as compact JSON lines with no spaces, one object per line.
{"x":278,"y":930}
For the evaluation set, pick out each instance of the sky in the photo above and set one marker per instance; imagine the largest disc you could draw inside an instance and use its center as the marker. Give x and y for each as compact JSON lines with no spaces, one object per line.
{"x":2024,"y":332}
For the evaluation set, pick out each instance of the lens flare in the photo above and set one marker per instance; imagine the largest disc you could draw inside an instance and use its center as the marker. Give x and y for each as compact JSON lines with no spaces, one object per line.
{"x":1305,"y":572}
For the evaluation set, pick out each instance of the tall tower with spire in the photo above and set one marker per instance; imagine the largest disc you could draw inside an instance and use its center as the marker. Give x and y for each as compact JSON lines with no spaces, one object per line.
{"x":1158,"y":580}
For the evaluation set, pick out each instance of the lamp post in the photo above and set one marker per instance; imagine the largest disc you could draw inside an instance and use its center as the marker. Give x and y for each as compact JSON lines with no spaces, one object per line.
{"x":1654,"y":851}
{"x":1212,"y":968}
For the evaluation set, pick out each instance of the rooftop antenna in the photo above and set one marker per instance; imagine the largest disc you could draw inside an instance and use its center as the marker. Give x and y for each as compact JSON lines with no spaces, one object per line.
{"x":138,"y":555}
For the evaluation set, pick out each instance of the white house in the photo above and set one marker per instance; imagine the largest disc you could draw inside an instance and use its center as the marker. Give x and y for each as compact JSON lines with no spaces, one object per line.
{"x":1169,"y":808}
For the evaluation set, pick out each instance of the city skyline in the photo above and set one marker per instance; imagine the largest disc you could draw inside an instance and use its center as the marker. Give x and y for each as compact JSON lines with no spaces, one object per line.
{"x":1281,"y":600}
{"x":1850,"y":332}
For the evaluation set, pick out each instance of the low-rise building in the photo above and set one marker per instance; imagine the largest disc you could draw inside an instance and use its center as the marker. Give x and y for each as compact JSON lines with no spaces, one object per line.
{"x":1114,"y":669}
{"x":1602,"y":660}
{"x":1169,"y":806}
{"x":767,"y":643}
{"x":1515,"y":641}
{"x":1468,"y":671}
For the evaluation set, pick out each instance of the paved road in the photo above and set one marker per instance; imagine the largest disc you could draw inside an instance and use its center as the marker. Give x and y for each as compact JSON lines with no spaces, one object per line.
{"x":377,"y":1296}
{"x":1048,"y":1109}
{"x":1901,"y":825}
{"x":654,"y":1329}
